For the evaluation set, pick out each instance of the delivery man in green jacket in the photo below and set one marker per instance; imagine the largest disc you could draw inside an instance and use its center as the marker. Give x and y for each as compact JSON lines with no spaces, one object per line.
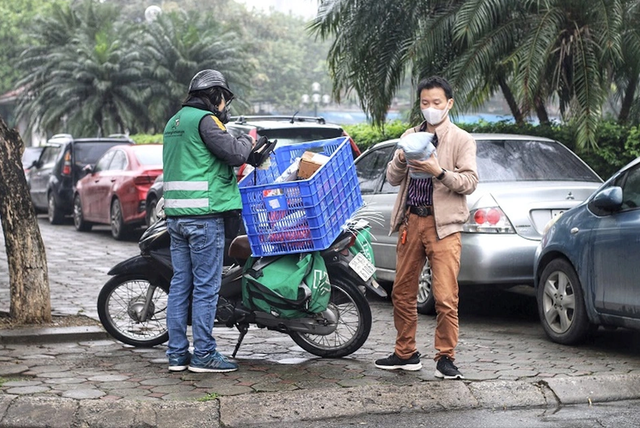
{"x":200,"y":190}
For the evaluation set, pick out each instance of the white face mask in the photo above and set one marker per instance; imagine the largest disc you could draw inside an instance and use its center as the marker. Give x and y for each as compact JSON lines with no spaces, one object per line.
{"x":435,"y":116}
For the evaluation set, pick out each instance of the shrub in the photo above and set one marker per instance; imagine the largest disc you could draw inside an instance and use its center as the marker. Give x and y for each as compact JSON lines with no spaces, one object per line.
{"x":147,"y":138}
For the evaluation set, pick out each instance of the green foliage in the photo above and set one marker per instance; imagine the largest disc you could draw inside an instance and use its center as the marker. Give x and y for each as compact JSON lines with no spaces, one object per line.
{"x":98,"y":67}
{"x":147,"y":138}
{"x":617,"y":144}
{"x":366,"y":135}
{"x":209,"y":397}
{"x":82,"y":74}
{"x":286,"y":61}
{"x":91,"y":72}
{"x":178,"y":45}
{"x":16,"y":16}
{"x":538,"y":54}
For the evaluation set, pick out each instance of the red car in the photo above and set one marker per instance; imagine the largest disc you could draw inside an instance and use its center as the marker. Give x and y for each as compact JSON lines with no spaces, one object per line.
{"x":114,"y":191}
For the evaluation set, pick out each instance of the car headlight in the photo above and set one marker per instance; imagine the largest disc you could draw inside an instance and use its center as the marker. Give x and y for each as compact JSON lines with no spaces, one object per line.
{"x":488,"y":220}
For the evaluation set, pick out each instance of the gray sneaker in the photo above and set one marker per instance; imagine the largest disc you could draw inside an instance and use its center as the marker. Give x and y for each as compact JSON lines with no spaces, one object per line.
{"x":213,"y":362}
{"x":178,"y":363}
{"x":445,"y":369}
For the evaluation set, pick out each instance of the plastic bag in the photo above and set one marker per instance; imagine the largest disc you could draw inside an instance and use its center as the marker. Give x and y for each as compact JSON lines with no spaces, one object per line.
{"x":417,"y":146}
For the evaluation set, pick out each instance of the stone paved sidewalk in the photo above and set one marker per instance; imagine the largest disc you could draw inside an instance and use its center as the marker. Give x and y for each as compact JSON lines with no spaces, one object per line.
{"x":503,"y":353}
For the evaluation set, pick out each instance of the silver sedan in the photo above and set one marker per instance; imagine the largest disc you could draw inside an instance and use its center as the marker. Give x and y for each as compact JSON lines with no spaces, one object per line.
{"x":524,"y":182}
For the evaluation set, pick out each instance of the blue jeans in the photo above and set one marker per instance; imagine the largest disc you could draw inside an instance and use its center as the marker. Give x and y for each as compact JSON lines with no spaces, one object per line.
{"x":197,"y":247}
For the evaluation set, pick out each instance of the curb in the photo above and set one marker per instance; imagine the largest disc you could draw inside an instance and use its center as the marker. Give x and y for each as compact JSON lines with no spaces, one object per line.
{"x":289,"y":407}
{"x":36,"y":335}
{"x":252,"y":410}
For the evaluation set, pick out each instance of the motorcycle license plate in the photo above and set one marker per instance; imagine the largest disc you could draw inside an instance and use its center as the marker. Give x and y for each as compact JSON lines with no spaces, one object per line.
{"x":362,"y":266}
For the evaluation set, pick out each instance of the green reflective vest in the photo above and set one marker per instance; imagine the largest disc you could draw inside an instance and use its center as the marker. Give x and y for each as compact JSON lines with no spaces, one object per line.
{"x":195,"y":181}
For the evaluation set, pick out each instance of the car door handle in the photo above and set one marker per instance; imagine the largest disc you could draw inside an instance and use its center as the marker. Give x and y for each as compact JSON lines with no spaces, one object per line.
{"x":113,"y":180}
{"x":574,"y":230}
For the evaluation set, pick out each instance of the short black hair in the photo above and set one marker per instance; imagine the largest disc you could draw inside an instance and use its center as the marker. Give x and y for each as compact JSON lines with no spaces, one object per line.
{"x":435,"y":82}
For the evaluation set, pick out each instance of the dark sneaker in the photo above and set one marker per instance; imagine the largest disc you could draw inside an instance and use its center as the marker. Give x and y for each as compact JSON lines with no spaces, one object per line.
{"x":213,"y":362}
{"x":446,"y":370}
{"x":178,"y":363}
{"x":393,"y":362}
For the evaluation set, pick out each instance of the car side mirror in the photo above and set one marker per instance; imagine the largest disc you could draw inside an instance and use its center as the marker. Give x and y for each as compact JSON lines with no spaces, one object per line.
{"x":607,"y":200}
{"x":88,"y":169}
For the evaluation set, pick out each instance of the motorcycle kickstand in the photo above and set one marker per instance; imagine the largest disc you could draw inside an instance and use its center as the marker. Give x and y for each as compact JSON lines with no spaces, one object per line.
{"x":243,"y":329}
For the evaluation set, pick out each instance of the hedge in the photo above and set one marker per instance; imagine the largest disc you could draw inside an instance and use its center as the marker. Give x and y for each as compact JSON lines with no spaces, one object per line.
{"x":617,"y":144}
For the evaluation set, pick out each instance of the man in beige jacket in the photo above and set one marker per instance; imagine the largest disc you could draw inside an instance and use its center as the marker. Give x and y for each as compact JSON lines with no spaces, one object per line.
{"x":428,"y":215}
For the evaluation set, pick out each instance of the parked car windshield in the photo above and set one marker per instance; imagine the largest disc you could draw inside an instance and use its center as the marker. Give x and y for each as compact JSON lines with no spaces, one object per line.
{"x":89,"y":153}
{"x":299,"y":135}
{"x":149,"y":155}
{"x":517,"y":160}
{"x":30,"y":155}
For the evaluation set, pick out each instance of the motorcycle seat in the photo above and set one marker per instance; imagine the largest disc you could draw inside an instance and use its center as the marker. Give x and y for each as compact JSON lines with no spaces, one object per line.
{"x":240,"y":248}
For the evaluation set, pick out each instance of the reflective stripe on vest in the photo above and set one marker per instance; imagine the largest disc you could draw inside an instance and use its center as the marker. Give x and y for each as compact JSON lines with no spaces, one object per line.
{"x":186,"y":203}
{"x":186,"y":185}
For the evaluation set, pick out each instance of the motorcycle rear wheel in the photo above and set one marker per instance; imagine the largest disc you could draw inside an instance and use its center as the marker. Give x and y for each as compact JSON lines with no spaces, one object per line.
{"x":354,"y":324}
{"x":119,"y":307}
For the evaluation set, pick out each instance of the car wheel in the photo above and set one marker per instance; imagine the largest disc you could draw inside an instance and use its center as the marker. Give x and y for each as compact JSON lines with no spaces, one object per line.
{"x":151,"y":211}
{"x":53,"y":211}
{"x":78,"y":218}
{"x":119,"y":230}
{"x":561,"y":304}
{"x":426,"y":302}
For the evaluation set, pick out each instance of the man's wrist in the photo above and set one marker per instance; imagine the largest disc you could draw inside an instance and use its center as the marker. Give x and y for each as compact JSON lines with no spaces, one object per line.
{"x":442,"y":174}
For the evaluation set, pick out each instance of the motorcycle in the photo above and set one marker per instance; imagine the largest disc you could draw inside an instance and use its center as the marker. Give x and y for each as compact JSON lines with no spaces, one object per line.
{"x":132,"y":304}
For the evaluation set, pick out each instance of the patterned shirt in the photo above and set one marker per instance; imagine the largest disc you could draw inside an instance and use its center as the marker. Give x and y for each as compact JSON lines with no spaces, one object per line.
{"x":420,"y":191}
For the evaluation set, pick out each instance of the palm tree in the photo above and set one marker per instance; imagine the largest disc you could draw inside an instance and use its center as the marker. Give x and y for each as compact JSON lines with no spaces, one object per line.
{"x":569,"y":51}
{"x":485,"y":33}
{"x":627,"y":75}
{"x":178,"y":45}
{"x":377,"y":45}
{"x":82,"y":77}
{"x":373,"y":48}
{"x":535,"y":51}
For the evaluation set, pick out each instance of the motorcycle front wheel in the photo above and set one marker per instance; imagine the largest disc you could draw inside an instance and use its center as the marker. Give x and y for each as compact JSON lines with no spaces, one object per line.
{"x":354,"y":324}
{"x":121,"y":304}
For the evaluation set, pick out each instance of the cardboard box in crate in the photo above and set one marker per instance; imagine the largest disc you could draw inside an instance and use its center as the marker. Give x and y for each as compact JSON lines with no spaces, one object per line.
{"x":303,"y":215}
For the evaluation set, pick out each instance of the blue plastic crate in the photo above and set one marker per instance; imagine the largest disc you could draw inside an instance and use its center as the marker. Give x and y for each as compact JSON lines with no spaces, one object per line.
{"x":303,"y":215}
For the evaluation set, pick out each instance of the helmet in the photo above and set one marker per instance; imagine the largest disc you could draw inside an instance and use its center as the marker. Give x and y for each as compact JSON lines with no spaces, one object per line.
{"x":206,"y":79}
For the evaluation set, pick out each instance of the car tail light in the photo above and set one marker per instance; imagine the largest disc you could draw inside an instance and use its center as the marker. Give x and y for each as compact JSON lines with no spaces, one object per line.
{"x":354,"y":147}
{"x":488,"y":220}
{"x":66,"y":166}
{"x":142,"y":180}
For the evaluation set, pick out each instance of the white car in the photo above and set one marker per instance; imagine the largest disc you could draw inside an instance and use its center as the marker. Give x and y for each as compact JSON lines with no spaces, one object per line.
{"x":524,"y":182}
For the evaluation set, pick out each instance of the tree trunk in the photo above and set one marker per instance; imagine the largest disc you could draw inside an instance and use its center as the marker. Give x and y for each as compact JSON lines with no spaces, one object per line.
{"x":627,"y":101}
{"x":541,"y":111}
{"x":26,"y":257}
{"x":511,"y":101}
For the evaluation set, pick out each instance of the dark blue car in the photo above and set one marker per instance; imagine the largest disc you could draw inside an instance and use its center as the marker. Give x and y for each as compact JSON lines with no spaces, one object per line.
{"x":588,"y":262}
